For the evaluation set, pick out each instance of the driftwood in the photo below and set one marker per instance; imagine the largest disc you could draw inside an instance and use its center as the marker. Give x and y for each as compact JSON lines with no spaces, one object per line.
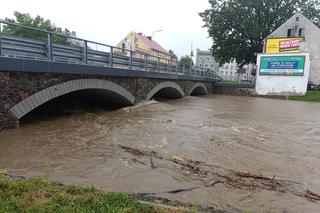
{"x":151,"y":163}
{"x":311,"y":195}
{"x":192,"y":188}
{"x":252,"y":175}
{"x":133,"y":151}
{"x":237,"y":179}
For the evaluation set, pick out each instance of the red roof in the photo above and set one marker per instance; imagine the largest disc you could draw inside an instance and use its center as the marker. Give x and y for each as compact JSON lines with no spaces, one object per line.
{"x":151,"y":43}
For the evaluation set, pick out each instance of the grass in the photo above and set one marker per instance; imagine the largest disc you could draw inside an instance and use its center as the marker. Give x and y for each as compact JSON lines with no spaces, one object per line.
{"x":227,"y":82}
{"x":41,"y":195}
{"x":313,"y":96}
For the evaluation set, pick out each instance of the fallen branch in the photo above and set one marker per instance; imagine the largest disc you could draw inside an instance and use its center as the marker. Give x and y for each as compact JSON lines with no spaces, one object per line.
{"x":151,"y":163}
{"x":311,"y":195}
{"x":224,"y":176}
{"x":252,"y":175}
{"x":133,"y":151}
{"x":192,"y":188}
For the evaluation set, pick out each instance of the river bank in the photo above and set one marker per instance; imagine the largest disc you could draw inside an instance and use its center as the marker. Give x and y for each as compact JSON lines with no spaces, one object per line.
{"x":310,"y":96}
{"x":212,"y":151}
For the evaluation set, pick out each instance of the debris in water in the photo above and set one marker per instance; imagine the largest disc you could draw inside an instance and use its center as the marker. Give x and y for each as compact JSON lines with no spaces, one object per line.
{"x":252,"y":175}
{"x":237,"y":179}
{"x":311,"y":195}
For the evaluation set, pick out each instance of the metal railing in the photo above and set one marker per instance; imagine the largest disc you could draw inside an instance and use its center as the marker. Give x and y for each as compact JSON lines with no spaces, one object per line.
{"x":243,"y":78}
{"x":81,"y":51}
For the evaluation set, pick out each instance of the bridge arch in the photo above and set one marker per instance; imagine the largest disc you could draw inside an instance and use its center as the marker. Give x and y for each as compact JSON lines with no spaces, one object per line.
{"x":198,"y":89}
{"x":166,"y":90}
{"x":32,"y":102}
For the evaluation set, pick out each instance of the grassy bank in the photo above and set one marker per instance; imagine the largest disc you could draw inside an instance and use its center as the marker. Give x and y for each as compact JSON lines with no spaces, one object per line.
{"x":310,"y":96}
{"x":227,"y":82}
{"x":41,"y":195}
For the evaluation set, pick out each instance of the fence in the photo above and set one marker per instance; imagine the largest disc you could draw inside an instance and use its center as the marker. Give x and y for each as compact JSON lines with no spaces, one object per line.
{"x":35,"y":44}
{"x":238,"y":78}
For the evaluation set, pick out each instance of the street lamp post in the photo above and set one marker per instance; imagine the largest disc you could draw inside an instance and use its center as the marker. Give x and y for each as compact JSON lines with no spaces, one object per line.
{"x":155,"y":32}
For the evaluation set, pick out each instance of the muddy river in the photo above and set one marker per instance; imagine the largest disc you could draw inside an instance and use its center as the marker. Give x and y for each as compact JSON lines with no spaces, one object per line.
{"x":230,"y":153}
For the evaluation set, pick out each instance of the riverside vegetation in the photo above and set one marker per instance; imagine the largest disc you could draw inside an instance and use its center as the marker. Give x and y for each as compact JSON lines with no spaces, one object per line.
{"x":42,"y":195}
{"x":313,"y":96}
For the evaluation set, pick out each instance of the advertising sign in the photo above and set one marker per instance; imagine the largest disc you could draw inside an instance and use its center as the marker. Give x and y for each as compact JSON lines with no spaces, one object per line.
{"x":282,"y":65}
{"x":280,"y":45}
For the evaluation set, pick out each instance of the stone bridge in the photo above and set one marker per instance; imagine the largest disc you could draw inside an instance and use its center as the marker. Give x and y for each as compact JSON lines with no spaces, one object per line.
{"x":36,"y":72}
{"x":22,"y":91}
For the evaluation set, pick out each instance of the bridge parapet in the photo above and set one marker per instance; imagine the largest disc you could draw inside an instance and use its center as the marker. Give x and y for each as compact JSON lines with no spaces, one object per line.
{"x":90,"y":53}
{"x":36,"y":71}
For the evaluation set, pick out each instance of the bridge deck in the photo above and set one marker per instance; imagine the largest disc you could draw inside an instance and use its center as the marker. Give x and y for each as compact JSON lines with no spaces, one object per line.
{"x":45,"y":54}
{"x":8,"y":64}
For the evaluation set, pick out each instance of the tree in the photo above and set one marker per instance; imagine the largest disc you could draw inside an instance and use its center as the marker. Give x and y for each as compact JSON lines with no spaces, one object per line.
{"x":238,"y":27}
{"x":38,"y":22}
{"x":185,"y":61}
{"x":173,"y":55}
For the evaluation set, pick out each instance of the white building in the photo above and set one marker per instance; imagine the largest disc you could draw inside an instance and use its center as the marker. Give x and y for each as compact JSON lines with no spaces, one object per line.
{"x":71,"y":35}
{"x":204,"y":59}
{"x":228,"y":71}
{"x":299,"y":26}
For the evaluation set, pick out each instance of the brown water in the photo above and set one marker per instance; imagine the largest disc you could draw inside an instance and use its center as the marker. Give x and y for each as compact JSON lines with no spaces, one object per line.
{"x":263,"y":136}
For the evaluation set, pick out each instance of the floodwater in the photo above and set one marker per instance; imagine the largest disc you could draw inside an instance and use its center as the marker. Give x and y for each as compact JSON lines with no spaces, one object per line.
{"x":219,"y":134}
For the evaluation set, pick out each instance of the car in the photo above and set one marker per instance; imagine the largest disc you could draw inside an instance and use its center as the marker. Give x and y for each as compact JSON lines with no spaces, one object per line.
{"x":312,"y":86}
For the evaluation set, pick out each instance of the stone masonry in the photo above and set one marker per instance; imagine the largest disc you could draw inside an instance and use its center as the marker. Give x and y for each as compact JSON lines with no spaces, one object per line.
{"x":16,"y":87}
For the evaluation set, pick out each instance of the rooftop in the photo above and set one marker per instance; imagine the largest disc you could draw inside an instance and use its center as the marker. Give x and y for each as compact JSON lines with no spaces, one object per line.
{"x":151,"y":43}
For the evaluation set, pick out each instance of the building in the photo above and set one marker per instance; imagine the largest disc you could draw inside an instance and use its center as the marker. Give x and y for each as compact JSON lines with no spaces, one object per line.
{"x":142,"y":45}
{"x":204,"y":59}
{"x":299,"y":26}
{"x":227,"y":71}
{"x":66,"y":32}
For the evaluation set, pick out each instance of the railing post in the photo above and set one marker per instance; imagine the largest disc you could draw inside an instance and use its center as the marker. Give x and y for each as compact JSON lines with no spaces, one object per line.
{"x":111,"y":56}
{"x":158,"y":64}
{"x":50,"y":56}
{"x":0,"y":38}
{"x":85,"y":53}
{"x":130,"y":60}
{"x":146,"y":62}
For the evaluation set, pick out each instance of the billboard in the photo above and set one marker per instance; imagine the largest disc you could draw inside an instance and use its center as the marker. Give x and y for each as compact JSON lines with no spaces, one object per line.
{"x":282,"y":65}
{"x":280,"y":45}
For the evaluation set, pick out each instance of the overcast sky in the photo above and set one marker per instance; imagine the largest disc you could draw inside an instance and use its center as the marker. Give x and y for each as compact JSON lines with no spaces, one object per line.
{"x":108,"y":21}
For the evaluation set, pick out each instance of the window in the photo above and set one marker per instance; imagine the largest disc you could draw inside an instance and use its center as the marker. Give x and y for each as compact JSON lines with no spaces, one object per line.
{"x":123,"y":47}
{"x":297,"y":18}
{"x":301,"y":32}
{"x":290,"y":33}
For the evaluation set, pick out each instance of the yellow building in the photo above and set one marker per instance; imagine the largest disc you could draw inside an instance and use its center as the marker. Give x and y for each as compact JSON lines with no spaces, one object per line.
{"x":142,"y":45}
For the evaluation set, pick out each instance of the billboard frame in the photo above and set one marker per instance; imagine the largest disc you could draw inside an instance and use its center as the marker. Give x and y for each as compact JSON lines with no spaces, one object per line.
{"x":283,"y":55}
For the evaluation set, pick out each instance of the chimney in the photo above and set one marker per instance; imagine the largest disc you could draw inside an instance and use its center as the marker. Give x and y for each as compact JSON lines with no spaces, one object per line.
{"x":66,"y":32}
{"x":149,"y":37}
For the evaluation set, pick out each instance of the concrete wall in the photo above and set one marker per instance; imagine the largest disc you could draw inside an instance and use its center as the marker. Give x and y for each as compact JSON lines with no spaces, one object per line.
{"x":17,"y":87}
{"x":311,"y":44}
{"x":282,"y":85}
